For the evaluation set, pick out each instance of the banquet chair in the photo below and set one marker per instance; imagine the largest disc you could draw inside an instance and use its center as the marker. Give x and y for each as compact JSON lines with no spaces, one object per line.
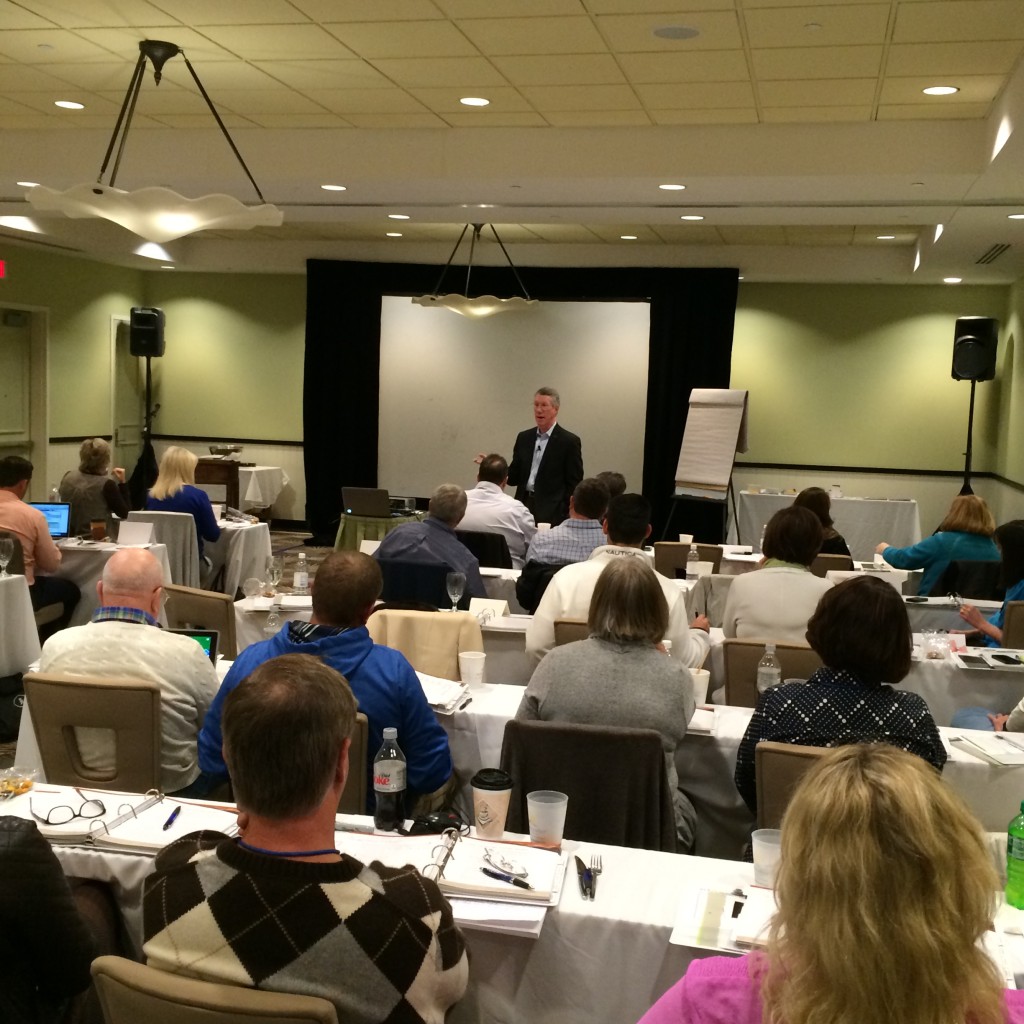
{"x":708,"y":597}
{"x":798,"y":661}
{"x":670,"y":557}
{"x":16,"y":567}
{"x":60,"y":704}
{"x":353,"y":798}
{"x":778,"y":769}
{"x":568,"y":631}
{"x":130,"y":992}
{"x":491,"y":549}
{"x":422,"y":582}
{"x":533,"y":581}
{"x":1013,"y":625}
{"x":971,"y":578}
{"x":614,"y":776}
{"x":178,"y":531}
{"x":430,"y":640}
{"x":824,"y":563}
{"x":189,"y":608}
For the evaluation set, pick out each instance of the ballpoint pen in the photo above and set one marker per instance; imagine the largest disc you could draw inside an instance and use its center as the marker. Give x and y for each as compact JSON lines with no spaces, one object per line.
{"x":1005,"y":738}
{"x":174,"y":815}
{"x":501,"y":877}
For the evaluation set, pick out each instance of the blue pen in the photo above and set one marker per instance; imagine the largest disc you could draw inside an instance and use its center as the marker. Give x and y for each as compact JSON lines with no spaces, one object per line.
{"x":501,"y":877}
{"x":174,"y":815}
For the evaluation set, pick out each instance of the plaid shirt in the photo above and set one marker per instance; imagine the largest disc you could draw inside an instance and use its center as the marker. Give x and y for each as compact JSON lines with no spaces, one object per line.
{"x":114,"y":613}
{"x":570,"y":541}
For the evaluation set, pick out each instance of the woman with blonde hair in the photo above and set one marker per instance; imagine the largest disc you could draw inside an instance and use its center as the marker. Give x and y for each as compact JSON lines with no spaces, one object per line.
{"x":175,"y":491}
{"x":94,"y":490}
{"x":965,"y":533}
{"x":621,"y":674}
{"x":885,"y":887}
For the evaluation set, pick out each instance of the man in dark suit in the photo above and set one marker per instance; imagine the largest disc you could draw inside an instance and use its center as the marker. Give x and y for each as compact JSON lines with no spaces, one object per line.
{"x":547,"y":462}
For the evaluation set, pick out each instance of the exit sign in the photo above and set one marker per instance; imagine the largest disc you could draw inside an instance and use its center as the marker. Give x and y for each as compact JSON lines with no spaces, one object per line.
{"x":3,"y":269}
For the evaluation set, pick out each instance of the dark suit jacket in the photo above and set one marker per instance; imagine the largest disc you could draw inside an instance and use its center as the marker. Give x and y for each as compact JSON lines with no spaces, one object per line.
{"x":560,"y":471}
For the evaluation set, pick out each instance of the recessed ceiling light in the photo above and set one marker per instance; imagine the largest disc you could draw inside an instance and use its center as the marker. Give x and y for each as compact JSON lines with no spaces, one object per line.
{"x":940,"y":90}
{"x":691,"y":216}
{"x":813,"y":26}
{"x":672,"y":188}
{"x":952,"y":280}
{"x":938,"y":233}
{"x":740,"y":278}
{"x":27,"y":184}
{"x":885,"y":238}
{"x":21,"y":224}
{"x":474,"y":101}
{"x":167,"y":266}
{"x":394,"y":234}
{"x":333,"y":188}
{"x":677,"y":32}
{"x":1011,"y":216}
{"x":69,"y":104}
{"x":628,"y":238}
{"x":398,"y":216}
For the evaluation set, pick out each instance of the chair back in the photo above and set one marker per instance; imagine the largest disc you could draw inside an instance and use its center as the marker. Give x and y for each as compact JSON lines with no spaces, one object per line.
{"x":533,"y":581}
{"x":615,"y":779}
{"x":823,"y":564}
{"x":430,"y":640}
{"x":568,"y":631}
{"x":798,"y":661}
{"x":708,"y":597}
{"x":418,"y":582}
{"x":178,"y":531}
{"x":190,"y":608}
{"x":46,"y":614}
{"x":972,"y":578}
{"x":1013,"y":625}
{"x":353,"y":798}
{"x":58,"y":704}
{"x":130,"y":992}
{"x":490,"y":549}
{"x":778,"y":769}
{"x":670,"y":557}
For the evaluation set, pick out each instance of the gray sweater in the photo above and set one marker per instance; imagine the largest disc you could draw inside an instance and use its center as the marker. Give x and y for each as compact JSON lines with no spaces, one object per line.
{"x":597,"y":682}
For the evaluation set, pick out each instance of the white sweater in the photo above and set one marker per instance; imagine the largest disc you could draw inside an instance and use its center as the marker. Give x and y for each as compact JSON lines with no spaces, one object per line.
{"x":773,"y":604}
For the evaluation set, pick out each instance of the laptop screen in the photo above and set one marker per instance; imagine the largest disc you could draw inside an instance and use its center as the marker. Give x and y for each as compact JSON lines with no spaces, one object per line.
{"x":58,"y":517}
{"x":206,"y":638}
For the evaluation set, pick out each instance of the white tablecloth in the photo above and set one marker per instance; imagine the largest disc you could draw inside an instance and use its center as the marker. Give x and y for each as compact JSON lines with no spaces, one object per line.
{"x":259,"y":486}
{"x":249,"y":623}
{"x":20,"y":643}
{"x":83,"y":565}
{"x":864,"y":522}
{"x":242,"y":551}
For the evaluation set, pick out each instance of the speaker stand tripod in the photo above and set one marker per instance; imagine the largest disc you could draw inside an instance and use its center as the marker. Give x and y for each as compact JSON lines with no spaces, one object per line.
{"x":967,"y":489}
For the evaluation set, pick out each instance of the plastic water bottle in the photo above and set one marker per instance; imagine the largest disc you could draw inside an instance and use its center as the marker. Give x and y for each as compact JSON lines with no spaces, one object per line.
{"x":760,"y":543}
{"x":769,"y":673}
{"x":389,"y":783}
{"x":692,"y":558}
{"x":1015,"y":861}
{"x":300,"y":579}
{"x":54,"y":493}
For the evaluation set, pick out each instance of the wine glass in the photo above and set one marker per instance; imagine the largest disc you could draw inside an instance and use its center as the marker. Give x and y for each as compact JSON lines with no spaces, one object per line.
{"x":6,"y":554}
{"x":275,"y":570}
{"x":252,"y":587}
{"x":455,"y":582}
{"x":273,"y":624}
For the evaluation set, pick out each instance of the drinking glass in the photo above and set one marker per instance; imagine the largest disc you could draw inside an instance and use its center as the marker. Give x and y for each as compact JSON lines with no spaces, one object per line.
{"x":275,"y":570}
{"x":456,"y":584}
{"x":252,"y":587}
{"x":6,"y":554}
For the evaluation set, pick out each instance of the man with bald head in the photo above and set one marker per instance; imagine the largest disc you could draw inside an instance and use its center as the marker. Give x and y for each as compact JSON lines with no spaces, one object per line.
{"x":124,"y":638}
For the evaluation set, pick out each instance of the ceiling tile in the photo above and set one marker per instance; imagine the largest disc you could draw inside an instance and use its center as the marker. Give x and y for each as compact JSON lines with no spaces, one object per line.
{"x":951,"y":21}
{"x":831,"y":92}
{"x":13,"y":120}
{"x":818,"y":235}
{"x":534,"y":35}
{"x":658,"y":7}
{"x":690,"y":96}
{"x":611,"y":233}
{"x":629,"y":33}
{"x":94,"y":104}
{"x":973,"y":89}
{"x":922,"y":112}
{"x":367,"y":10}
{"x":267,"y":101}
{"x":323,"y":119}
{"x":277,"y":42}
{"x":866,"y":234}
{"x":94,"y":14}
{"x":503,"y":99}
{"x":323,"y":74}
{"x":732,"y":115}
{"x":408,"y":39}
{"x":824,"y":62}
{"x":575,"y":69}
{"x":385,"y":120}
{"x":753,"y":234}
{"x":366,"y":101}
{"x":524,"y":8}
{"x":222,"y":74}
{"x":962,"y":58}
{"x":233,"y":12}
{"x":203,"y":120}
{"x":12,"y":17}
{"x":20,"y":78}
{"x":566,"y":233}
{"x":596,"y":118}
{"x":581,"y":97}
{"x":25,"y":46}
{"x":499,"y":119}
{"x":103,"y":77}
{"x":124,"y":43}
{"x":700,"y":66}
{"x":689,"y":234}
{"x":167,"y":101}
{"x":815,"y":115}
{"x":440,"y":71}
{"x":855,"y":24}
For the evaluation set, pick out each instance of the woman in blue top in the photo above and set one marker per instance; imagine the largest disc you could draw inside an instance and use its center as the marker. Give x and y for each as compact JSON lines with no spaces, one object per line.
{"x":965,"y":533}
{"x":175,"y":491}
{"x":1010,"y":540}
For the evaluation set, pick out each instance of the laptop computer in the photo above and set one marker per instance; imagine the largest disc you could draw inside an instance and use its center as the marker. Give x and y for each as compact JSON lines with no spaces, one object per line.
{"x":58,"y":517}
{"x":366,"y":501}
{"x":208,"y":639}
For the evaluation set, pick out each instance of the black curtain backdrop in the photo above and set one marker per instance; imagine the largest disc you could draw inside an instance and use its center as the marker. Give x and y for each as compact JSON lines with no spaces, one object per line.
{"x":692,"y":314}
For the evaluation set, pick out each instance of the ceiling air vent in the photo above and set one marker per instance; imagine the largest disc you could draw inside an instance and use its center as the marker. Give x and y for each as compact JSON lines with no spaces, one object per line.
{"x":993,"y":254}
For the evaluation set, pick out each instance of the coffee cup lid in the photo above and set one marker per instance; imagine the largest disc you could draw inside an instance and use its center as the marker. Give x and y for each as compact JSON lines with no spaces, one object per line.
{"x":491,"y":778}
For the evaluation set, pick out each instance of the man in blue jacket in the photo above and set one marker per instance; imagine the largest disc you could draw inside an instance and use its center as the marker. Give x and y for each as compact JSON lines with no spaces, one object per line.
{"x":345,"y":589}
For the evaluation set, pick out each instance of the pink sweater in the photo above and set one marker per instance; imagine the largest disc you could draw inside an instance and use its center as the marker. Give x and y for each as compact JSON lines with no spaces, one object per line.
{"x":719,"y":990}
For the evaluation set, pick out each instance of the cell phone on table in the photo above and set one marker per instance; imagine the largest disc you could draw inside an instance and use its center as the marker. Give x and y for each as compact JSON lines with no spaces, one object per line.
{"x":973,"y":661}
{"x":1006,"y":659}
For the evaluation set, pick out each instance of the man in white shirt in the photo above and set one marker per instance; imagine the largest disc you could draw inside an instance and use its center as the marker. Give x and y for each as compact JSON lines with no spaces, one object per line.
{"x":124,"y":638}
{"x":627,"y":525}
{"x":490,"y":510}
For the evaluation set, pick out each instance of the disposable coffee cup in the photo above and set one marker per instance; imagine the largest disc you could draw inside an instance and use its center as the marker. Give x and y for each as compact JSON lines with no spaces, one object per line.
{"x":701,"y":680}
{"x":686,"y":538}
{"x":767,"y":847}
{"x":491,"y":790}
{"x":546,"y":810}
{"x":471,"y":666}
{"x":541,"y":527}
{"x":98,"y":529}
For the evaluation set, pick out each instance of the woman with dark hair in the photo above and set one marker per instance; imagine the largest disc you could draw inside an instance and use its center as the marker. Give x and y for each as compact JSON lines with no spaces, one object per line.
{"x":816,"y":500}
{"x":1010,"y":540}
{"x":885,"y":889}
{"x":861,"y":632}
{"x":621,"y":674}
{"x":775,"y":601}
{"x":94,"y":490}
{"x":965,"y":533}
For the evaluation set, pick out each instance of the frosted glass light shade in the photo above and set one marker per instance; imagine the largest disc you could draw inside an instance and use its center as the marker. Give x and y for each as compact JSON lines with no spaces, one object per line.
{"x":477,"y":307}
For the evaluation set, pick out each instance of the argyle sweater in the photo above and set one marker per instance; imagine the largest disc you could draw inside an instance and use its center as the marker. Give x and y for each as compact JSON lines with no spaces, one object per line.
{"x":378,"y":942}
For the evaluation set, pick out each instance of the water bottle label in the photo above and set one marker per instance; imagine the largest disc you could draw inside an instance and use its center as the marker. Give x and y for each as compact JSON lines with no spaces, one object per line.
{"x":1015,"y":847}
{"x":300,"y":580}
{"x":389,"y":776}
